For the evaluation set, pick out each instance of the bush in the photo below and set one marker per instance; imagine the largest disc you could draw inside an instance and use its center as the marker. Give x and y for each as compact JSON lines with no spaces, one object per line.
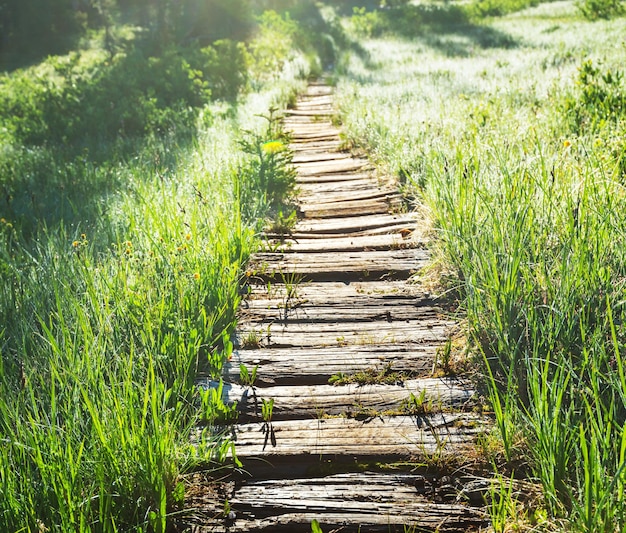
{"x":80,"y":105}
{"x":497,"y":8}
{"x":273,"y":45}
{"x":225,"y":66}
{"x":601,"y":9}
{"x":598,"y":102}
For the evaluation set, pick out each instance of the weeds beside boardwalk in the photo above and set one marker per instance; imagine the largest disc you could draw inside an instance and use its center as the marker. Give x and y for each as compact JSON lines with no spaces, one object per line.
{"x":512,"y":134}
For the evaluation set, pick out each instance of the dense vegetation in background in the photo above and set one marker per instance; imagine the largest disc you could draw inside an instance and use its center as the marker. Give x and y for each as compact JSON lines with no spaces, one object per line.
{"x":511,"y":134}
{"x":134,"y":174}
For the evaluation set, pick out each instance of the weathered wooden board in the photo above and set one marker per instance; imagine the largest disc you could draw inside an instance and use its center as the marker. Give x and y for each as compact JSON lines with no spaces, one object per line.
{"x":351,"y":502}
{"x":312,"y":113}
{"x":310,"y":100}
{"x":333,"y":166}
{"x":351,"y":400}
{"x":330,"y":292}
{"x":316,"y":365}
{"x":307,"y":157}
{"x":409,"y":436}
{"x":316,"y":146}
{"x":335,"y":177}
{"x":341,"y":186}
{"x":304,"y":334}
{"x":350,"y":265}
{"x":320,"y":136}
{"x":394,"y":229}
{"x":343,"y":244}
{"x":300,"y":127}
{"x":328,"y":194}
{"x":363,"y":309}
{"x":431,"y":518}
{"x":359,"y":223}
{"x":348,"y":209}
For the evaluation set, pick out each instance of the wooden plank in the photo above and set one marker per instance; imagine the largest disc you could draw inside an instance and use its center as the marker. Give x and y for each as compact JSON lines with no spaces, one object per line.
{"x":328,"y":195}
{"x":328,"y":135}
{"x":312,"y":113}
{"x":439,"y":519}
{"x":332,"y":177}
{"x":326,"y":184}
{"x":294,"y":310}
{"x":348,"y":265}
{"x":316,"y":146}
{"x":314,"y":100}
{"x":342,"y":244}
{"x":349,"y":209}
{"x":334,"y":166}
{"x":354,"y":502}
{"x":319,"y":156}
{"x":353,"y":224}
{"x":409,"y":436}
{"x":316,"y":365}
{"x":351,"y":400}
{"x":340,"y":334}
{"x":331,"y":291}
{"x":297,"y":127}
{"x":401,"y":229}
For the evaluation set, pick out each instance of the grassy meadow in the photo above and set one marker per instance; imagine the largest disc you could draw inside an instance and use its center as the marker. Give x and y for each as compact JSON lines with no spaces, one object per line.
{"x":510,"y":134}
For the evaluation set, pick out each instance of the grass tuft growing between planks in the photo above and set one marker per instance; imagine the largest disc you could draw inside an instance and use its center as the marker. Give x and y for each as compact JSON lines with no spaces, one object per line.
{"x":516,"y":150}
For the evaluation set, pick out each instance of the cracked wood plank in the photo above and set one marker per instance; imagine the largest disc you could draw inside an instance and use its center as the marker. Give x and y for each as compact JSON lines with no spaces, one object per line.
{"x":351,"y":400}
{"x":409,"y":436}
{"x":354,"y":224}
{"x":314,"y":365}
{"x":322,"y":243}
{"x":340,"y":334}
{"x":367,"y":501}
{"x":349,"y":265}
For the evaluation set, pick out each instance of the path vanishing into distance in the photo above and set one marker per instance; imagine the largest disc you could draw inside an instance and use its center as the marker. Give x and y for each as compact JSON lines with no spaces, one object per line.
{"x":367,"y":432}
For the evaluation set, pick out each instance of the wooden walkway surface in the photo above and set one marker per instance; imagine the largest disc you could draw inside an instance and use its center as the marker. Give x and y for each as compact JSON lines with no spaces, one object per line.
{"x":367,"y":433}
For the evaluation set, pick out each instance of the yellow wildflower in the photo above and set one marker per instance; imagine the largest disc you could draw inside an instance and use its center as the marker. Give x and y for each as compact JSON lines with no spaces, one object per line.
{"x":188,"y":236}
{"x":273,"y":147}
{"x":196,"y":276}
{"x":567,"y":143}
{"x":76,"y":244}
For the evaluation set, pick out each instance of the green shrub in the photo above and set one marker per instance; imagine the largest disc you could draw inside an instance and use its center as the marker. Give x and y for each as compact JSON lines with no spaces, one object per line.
{"x":601,"y":9}
{"x":273,"y":45}
{"x":225,"y":68}
{"x":496,"y":8}
{"x":598,"y":102}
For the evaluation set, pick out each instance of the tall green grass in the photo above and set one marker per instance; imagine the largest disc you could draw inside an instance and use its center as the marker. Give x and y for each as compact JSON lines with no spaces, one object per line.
{"x":515,"y":150}
{"x":111,"y":303}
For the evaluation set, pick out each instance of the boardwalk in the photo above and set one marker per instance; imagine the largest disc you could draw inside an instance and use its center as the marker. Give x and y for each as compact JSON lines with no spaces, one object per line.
{"x":367,"y":433}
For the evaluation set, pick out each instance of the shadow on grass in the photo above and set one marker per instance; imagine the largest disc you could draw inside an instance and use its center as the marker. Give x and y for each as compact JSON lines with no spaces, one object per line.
{"x":442,"y":26}
{"x":74,"y":146}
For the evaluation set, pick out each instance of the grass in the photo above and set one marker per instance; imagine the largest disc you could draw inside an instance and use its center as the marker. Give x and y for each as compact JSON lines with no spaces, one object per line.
{"x":519,"y":165}
{"x":110,"y":306}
